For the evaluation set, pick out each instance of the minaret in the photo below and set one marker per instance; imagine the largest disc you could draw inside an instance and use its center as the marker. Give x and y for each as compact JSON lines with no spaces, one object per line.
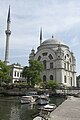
{"x":52,"y":36}
{"x":8,"y":33}
{"x":40,"y":35}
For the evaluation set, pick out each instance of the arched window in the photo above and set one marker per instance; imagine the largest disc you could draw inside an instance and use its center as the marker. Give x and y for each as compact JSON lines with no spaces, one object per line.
{"x":70,"y":59}
{"x":64,"y":65}
{"x":67,"y":65}
{"x":44,"y":54}
{"x":39,"y":58}
{"x":71,"y":67}
{"x":50,"y":56}
{"x":44,"y":63}
{"x":65,"y":79}
{"x":71,"y":81}
{"x":51,"y":77}
{"x":67,"y":55}
{"x":44,"y":78}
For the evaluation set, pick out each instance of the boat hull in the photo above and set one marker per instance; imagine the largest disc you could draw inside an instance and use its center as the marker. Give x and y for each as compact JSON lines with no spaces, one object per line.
{"x":41,"y":101}
{"x":27,"y":99}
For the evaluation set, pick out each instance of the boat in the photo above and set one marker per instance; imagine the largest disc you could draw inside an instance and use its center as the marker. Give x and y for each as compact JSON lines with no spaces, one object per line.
{"x":77,"y":95}
{"x":45,"y":112}
{"x":42,"y":100}
{"x":27,"y":99}
{"x":33,"y":94}
{"x":39,"y":118}
{"x":49,"y":107}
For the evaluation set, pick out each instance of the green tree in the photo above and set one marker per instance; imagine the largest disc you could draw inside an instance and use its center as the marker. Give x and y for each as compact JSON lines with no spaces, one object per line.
{"x":78,"y":77}
{"x":4,"y":73}
{"x":77,"y":80}
{"x":52,"y":84}
{"x":32,"y":73}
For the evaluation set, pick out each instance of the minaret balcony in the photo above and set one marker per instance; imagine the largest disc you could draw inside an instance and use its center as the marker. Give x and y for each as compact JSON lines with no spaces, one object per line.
{"x":8,"y":32}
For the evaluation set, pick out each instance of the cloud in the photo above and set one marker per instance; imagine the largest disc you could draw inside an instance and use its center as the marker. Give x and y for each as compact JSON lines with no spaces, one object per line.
{"x":75,"y":42}
{"x":58,"y":17}
{"x":18,"y":56}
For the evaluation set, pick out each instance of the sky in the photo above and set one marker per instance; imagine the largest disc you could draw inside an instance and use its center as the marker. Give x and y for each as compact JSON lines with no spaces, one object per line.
{"x":58,"y":17}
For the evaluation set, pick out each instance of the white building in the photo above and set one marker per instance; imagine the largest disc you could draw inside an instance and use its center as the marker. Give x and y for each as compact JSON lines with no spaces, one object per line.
{"x":59,"y":62}
{"x":16,"y":73}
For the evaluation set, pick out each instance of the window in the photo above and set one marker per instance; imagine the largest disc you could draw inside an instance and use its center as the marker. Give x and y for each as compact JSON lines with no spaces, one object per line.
{"x":70,"y":59}
{"x":39,"y":58}
{"x":50,"y":56}
{"x":51,"y":77}
{"x":67,"y":55}
{"x":71,"y":80}
{"x":17,"y":74}
{"x":71,"y":67}
{"x":65,"y":79}
{"x":44,"y":63}
{"x":20,"y":74}
{"x":51,"y":65}
{"x":44,"y":54}
{"x":44,"y":78}
{"x":64,"y":65}
{"x":68,"y":65}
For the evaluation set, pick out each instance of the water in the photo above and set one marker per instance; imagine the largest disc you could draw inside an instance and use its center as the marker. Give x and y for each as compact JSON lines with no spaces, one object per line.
{"x":11,"y":109}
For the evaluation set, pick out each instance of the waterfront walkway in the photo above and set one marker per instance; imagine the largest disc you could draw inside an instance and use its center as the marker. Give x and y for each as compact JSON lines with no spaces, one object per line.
{"x":68,"y":110}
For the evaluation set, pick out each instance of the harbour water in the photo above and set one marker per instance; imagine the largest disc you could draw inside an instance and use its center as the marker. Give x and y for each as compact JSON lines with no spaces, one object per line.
{"x":11,"y":109}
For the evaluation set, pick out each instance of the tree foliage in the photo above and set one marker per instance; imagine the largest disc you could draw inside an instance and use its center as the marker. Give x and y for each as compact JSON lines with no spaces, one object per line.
{"x":32,"y":73}
{"x":52,"y":84}
{"x":77,"y":80}
{"x":78,"y":77}
{"x":4,"y":72}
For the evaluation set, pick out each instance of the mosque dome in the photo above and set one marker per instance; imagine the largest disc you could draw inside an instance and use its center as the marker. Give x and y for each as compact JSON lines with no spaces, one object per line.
{"x":52,"y":41}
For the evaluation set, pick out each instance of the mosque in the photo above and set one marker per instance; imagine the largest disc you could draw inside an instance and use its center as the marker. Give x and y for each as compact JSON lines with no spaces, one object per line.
{"x":59,"y":62}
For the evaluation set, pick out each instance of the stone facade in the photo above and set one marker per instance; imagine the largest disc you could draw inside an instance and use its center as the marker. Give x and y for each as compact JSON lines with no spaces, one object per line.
{"x":59,"y":62}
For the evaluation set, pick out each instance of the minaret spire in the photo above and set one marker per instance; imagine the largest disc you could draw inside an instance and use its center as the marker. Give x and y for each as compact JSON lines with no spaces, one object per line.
{"x":40,"y":35}
{"x":8,"y":33}
{"x":8,"y":18}
{"x":52,"y":36}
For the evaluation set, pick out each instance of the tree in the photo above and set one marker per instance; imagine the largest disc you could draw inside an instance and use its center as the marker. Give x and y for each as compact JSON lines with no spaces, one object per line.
{"x":77,"y":80}
{"x":52,"y":84}
{"x":32,"y":73}
{"x":4,"y":73}
{"x":78,"y":77}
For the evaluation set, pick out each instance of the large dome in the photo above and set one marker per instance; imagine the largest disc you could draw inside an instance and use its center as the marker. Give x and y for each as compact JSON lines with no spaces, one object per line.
{"x":52,"y":41}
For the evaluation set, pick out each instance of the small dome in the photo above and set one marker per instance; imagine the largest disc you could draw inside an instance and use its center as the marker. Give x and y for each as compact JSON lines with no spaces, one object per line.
{"x":52,"y":41}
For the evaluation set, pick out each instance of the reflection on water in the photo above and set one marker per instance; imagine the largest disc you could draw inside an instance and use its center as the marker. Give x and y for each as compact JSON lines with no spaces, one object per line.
{"x":11,"y":109}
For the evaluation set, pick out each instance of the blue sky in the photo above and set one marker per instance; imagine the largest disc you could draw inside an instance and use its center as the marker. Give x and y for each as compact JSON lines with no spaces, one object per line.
{"x":58,"y":17}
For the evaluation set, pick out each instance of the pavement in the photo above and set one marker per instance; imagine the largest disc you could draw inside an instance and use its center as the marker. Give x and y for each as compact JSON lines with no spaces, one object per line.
{"x":68,"y":110}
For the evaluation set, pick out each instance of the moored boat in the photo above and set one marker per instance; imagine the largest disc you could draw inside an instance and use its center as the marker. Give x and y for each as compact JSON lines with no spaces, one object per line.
{"x":49,"y":107}
{"x":42,"y":100}
{"x":27,"y":99}
{"x":39,"y":118}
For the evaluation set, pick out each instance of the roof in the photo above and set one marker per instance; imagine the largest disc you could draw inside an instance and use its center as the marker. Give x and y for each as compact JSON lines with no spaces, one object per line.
{"x":52,"y":41}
